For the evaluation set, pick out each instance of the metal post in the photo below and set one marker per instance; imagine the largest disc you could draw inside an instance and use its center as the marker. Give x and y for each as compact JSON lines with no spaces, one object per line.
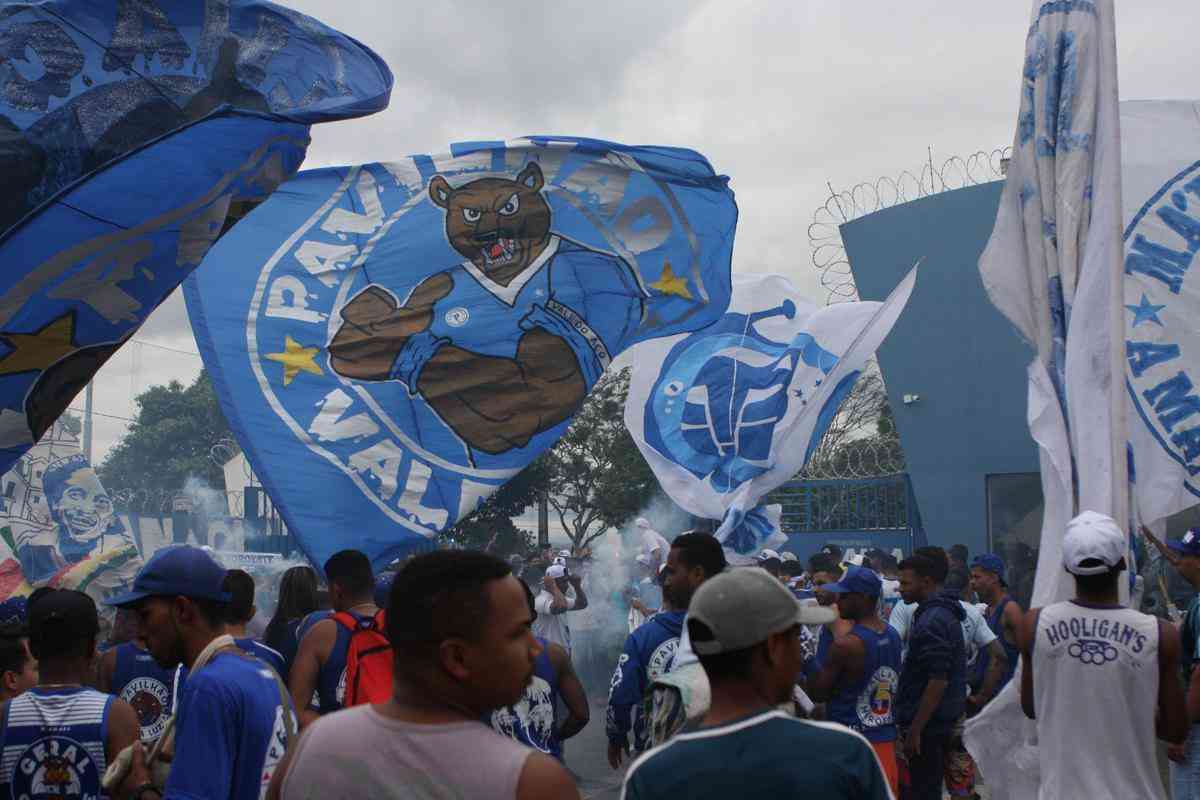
{"x":543,"y":521}
{"x":87,"y":423}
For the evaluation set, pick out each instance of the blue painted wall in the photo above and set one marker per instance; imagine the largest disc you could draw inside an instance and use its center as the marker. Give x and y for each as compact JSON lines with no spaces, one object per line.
{"x":954,"y":349}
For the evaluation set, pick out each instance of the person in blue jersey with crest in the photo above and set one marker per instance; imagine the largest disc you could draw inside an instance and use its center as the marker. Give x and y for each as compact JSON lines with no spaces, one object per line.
{"x":59,"y":736}
{"x":528,"y":310}
{"x":130,"y":672}
{"x":861,"y":671}
{"x":649,"y":651}
{"x":234,"y":720}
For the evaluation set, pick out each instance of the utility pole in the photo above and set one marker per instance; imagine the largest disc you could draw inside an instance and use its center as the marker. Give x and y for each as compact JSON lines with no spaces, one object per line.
{"x":87,"y":423}
{"x":543,"y":521}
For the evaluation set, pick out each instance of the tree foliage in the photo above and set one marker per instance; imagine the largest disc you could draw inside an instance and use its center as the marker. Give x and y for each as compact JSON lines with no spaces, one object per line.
{"x":861,"y":440}
{"x":491,"y":527}
{"x":596,"y":477}
{"x":170,"y":440}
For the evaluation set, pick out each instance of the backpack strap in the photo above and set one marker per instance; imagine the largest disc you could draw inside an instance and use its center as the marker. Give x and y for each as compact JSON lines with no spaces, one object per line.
{"x":352,"y":623}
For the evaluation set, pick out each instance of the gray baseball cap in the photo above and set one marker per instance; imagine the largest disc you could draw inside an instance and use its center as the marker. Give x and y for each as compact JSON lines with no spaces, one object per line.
{"x":744,"y":606}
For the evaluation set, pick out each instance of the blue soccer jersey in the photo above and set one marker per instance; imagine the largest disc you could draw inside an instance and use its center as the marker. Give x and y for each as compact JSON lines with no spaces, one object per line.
{"x":54,"y":744}
{"x":232,"y":727}
{"x":140,"y":681}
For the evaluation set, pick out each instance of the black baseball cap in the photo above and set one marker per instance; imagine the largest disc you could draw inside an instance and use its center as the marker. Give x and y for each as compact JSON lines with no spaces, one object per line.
{"x":62,"y":615}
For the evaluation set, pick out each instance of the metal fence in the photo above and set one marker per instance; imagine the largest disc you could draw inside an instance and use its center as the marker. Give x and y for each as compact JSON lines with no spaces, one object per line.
{"x":839,"y":506}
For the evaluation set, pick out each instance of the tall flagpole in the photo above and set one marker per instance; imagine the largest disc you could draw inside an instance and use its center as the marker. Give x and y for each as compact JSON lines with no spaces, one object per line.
{"x":87,"y":423}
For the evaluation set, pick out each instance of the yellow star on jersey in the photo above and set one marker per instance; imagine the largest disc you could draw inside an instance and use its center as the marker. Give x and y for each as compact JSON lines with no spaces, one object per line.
{"x":296,"y":359}
{"x":40,"y":349}
{"x":669,"y":284}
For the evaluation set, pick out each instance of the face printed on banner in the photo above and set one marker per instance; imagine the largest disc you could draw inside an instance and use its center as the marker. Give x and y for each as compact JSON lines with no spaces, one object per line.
{"x":81,"y":506}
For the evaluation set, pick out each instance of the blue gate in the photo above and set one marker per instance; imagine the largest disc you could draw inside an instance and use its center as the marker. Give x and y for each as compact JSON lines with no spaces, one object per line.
{"x":857,"y":514}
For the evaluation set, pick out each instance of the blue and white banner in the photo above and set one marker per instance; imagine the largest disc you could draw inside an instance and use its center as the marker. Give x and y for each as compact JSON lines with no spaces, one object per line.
{"x":129,"y":132}
{"x":727,"y":414}
{"x":1160,"y":179}
{"x":392,"y":342}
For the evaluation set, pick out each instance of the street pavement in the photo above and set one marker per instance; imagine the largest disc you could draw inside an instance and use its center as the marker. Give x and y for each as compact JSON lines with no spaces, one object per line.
{"x":587,"y":757}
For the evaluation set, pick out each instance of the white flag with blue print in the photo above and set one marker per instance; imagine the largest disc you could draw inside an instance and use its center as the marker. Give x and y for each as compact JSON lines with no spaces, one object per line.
{"x":726,"y":414}
{"x":1053,"y":266}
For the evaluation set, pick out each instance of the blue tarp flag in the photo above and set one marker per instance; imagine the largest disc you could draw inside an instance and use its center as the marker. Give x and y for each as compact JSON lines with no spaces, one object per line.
{"x":727,"y":414}
{"x":129,"y":132}
{"x":392,"y":342}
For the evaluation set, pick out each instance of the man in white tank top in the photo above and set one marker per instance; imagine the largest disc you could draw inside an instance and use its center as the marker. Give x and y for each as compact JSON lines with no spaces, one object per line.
{"x":1095,"y":675}
{"x":459,"y":623}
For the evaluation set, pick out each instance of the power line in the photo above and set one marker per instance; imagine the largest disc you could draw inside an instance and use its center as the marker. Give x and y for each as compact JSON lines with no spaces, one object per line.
{"x":95,"y":413}
{"x":164,"y":347}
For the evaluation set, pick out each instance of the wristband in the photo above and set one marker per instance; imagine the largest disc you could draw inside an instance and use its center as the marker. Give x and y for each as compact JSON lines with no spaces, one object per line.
{"x":413,"y":357}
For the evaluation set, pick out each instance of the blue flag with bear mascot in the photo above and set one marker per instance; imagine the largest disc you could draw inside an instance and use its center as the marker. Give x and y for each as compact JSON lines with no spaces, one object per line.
{"x":392,"y":342}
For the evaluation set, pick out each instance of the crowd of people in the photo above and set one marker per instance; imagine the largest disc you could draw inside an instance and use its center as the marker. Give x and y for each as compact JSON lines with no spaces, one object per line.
{"x":453,"y":677}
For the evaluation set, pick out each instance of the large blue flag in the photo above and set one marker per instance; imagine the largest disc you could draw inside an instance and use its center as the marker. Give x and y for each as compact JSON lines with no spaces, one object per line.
{"x":129,"y":132}
{"x":392,"y":342}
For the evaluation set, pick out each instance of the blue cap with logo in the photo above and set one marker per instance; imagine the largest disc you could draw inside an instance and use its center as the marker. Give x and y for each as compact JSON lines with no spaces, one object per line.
{"x":1189,"y":545}
{"x":991,"y":563}
{"x":180,"y":570}
{"x":858,"y":580}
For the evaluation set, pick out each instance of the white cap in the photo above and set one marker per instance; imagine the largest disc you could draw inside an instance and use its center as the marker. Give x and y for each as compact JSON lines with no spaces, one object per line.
{"x":788,"y":555}
{"x":767,"y":553}
{"x":1092,"y":537}
{"x":564,"y":553}
{"x":642,"y":522}
{"x":556,"y":571}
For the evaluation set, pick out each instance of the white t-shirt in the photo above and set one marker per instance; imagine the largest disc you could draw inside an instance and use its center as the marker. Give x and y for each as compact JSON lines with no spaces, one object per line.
{"x":976,"y":633}
{"x":653,"y":540}
{"x":552,"y":627}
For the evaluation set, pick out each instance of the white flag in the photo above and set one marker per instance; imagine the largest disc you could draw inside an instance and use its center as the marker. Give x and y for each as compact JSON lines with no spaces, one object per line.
{"x":1053,"y":267}
{"x":728,"y":413}
{"x":1161,"y":176}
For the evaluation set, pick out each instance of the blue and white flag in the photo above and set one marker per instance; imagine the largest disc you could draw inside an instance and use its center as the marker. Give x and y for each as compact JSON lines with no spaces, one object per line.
{"x":392,"y":342}
{"x":129,"y":132}
{"x":1053,"y":266}
{"x":1160,"y":176}
{"x":727,"y":414}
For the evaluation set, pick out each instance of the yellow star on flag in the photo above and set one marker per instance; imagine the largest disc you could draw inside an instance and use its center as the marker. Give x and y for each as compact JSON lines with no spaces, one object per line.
{"x":40,"y":349}
{"x":669,"y":284}
{"x":296,"y":358}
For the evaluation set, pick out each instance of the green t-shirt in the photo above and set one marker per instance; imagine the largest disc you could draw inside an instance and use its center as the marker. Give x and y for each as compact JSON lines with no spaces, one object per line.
{"x":769,"y":754}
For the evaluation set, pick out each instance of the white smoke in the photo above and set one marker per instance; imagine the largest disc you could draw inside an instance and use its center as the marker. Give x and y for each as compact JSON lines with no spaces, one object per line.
{"x":612,"y":571}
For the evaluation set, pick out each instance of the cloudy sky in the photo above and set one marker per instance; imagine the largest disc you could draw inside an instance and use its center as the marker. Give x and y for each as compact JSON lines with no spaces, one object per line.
{"x":787,"y":98}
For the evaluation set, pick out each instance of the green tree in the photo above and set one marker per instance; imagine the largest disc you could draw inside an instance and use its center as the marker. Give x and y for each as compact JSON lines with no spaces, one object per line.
{"x":596,"y":477}
{"x":170,"y":440}
{"x":491,"y":527}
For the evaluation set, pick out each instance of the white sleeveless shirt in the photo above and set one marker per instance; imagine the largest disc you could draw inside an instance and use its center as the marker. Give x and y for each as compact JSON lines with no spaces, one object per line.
{"x":1095,"y":686}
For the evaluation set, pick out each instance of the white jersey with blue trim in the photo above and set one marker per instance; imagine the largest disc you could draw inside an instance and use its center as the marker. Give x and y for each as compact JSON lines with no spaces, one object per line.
{"x":54,"y":743}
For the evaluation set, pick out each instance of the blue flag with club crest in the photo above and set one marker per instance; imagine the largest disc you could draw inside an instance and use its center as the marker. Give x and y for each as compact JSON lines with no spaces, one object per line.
{"x":392,"y":342}
{"x":726,"y":414}
{"x":131,"y":131}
